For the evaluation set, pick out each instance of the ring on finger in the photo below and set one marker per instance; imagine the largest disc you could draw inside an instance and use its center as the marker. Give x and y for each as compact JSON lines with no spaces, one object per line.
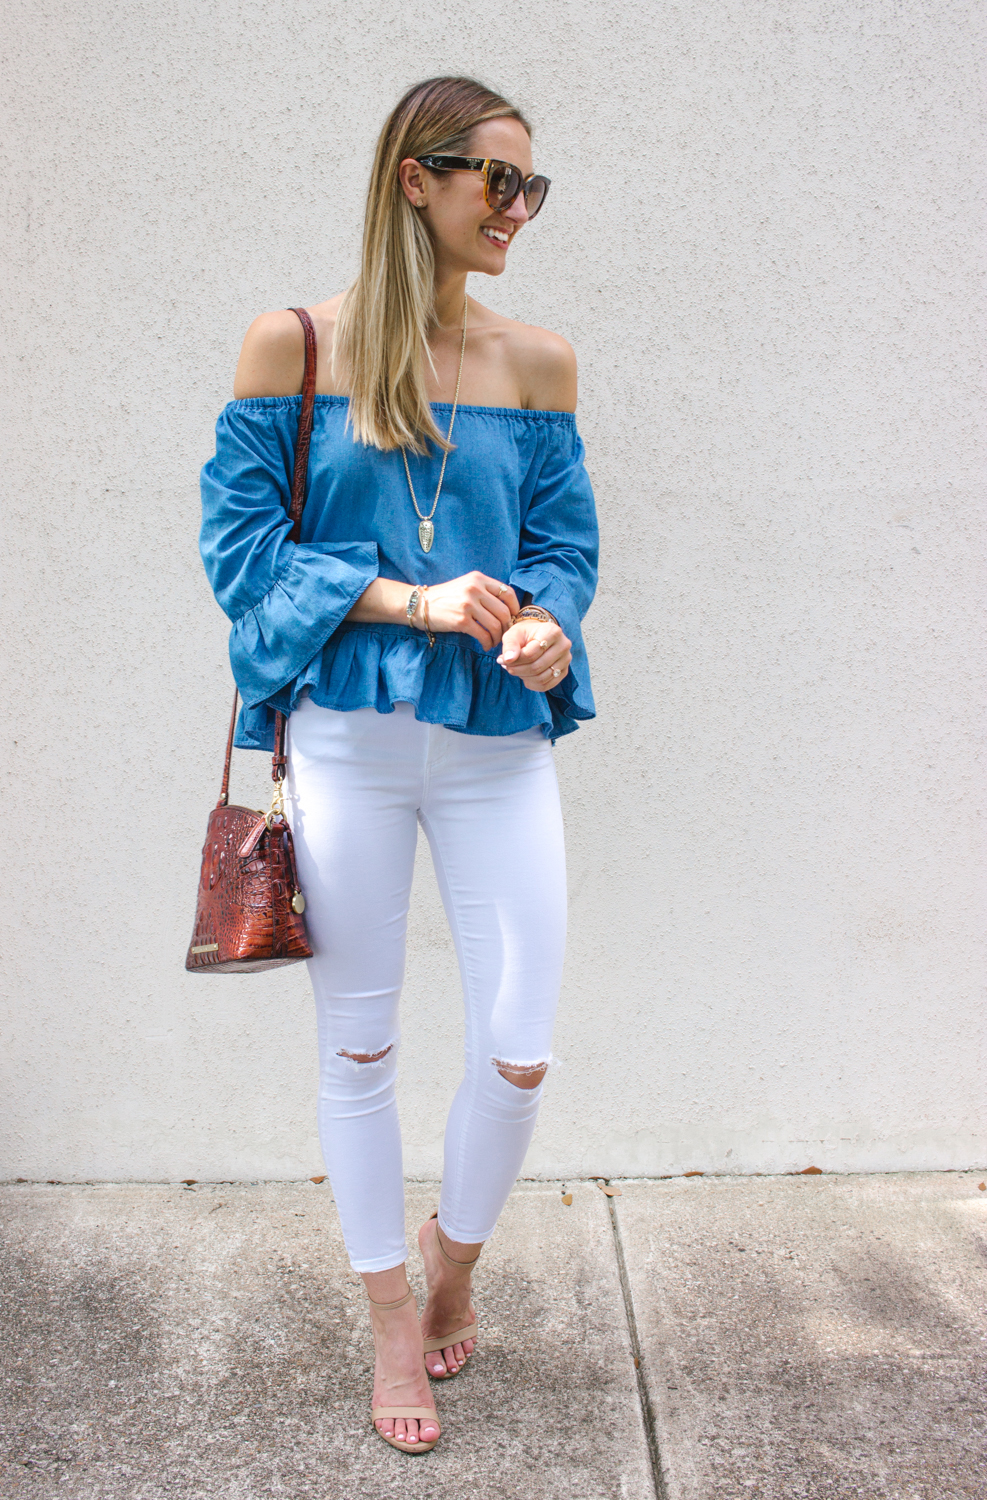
{"x":502,"y":590}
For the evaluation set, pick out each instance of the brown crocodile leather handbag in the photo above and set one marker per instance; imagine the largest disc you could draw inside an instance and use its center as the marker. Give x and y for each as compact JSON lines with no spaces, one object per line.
{"x":248,"y":915}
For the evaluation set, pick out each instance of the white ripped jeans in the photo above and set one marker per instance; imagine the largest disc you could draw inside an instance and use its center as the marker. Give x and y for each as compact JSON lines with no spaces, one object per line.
{"x":360,"y":783}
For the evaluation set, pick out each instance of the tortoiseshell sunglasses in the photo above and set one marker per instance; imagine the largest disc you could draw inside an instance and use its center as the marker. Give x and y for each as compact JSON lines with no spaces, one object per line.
{"x":502,"y":181}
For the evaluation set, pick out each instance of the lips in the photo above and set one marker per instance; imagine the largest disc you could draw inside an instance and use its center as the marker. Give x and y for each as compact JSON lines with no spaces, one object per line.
{"x":498,"y":236}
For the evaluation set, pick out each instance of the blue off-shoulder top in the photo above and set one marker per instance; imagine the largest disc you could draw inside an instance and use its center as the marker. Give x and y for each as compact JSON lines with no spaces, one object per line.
{"x":516,"y":504}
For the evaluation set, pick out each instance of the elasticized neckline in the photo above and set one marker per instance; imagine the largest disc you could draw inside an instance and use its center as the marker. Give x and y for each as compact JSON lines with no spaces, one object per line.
{"x":517,"y":413}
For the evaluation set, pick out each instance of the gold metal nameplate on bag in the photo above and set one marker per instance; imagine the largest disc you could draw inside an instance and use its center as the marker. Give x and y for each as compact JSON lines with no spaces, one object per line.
{"x":205,"y":948}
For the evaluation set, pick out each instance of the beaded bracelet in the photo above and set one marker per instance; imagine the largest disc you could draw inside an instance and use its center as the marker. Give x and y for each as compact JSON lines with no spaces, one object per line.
{"x":534,"y":612}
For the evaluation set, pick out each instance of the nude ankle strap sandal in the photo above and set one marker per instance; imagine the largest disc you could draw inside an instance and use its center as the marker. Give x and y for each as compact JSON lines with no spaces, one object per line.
{"x":384,"y":1413}
{"x":448,"y":1339}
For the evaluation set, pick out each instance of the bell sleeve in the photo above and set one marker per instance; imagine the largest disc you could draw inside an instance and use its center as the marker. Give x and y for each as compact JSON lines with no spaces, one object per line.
{"x":557,"y":563}
{"x":284,"y":598}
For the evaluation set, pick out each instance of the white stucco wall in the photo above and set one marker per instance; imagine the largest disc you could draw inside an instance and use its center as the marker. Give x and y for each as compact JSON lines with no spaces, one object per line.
{"x":762,"y":241}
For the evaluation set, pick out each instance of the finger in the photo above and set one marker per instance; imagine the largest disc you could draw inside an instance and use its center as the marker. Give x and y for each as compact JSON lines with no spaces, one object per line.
{"x":470,"y":627}
{"x":529,"y":672}
{"x":495,"y":606}
{"x":541,"y":640}
{"x":557,"y":653}
{"x":514,"y":643}
{"x":547,"y":680}
{"x":488,"y":623}
{"x":502,"y":592}
{"x":536,"y":645}
{"x":553,"y":677}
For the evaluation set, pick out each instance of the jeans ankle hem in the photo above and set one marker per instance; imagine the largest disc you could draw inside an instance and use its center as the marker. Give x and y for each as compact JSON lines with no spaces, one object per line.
{"x":380,"y":1262}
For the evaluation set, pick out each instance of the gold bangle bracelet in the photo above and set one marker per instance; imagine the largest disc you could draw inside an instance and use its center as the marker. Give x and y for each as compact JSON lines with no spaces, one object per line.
{"x":428,"y":629}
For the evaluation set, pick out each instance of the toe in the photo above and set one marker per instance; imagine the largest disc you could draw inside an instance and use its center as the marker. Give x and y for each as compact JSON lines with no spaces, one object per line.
{"x":428,"y":1430}
{"x":452,"y":1363}
{"x":459,"y":1354}
{"x":387,"y":1428}
{"x":436,"y":1364}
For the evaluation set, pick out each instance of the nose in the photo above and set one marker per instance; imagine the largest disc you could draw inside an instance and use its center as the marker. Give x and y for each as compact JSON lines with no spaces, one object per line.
{"x":518,"y":211}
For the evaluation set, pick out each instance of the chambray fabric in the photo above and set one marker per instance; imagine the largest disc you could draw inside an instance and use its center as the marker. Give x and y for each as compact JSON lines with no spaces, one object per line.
{"x":516,"y":504}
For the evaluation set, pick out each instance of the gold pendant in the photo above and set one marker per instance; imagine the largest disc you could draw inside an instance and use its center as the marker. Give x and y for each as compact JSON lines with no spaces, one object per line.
{"x":426,"y":535}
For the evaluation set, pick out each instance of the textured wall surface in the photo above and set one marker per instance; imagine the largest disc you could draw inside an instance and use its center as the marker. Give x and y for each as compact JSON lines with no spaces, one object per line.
{"x":762,"y":242}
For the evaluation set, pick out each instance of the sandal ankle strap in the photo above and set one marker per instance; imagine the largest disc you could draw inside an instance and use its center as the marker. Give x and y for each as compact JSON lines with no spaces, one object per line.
{"x":391,"y":1306}
{"x":444,"y":1252}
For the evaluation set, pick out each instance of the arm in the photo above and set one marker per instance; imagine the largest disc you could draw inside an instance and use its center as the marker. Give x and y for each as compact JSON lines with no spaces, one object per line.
{"x":272,"y":359}
{"x":284,"y":599}
{"x":557,"y":556}
{"x":471,"y":605}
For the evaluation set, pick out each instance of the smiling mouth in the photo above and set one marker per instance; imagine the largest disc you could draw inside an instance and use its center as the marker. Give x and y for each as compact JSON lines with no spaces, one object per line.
{"x":498,"y":236}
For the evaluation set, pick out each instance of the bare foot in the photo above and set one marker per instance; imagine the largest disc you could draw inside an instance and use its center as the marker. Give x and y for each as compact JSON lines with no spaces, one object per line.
{"x":448,"y":1306}
{"x":399,"y":1379}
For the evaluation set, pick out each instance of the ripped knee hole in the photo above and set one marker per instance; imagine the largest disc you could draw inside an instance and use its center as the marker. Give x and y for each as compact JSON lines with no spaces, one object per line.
{"x":522,"y":1075}
{"x":364,"y":1057}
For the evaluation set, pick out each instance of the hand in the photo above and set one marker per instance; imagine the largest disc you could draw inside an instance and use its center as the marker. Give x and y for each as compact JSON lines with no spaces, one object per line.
{"x":532,"y":649}
{"x":472,"y":605}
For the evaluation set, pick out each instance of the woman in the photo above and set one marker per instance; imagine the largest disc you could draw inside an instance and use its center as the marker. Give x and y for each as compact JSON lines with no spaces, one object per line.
{"x":424,"y":637}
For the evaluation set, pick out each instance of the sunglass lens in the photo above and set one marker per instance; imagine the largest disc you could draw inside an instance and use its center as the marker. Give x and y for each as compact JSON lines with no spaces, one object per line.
{"x":534,"y":194}
{"x":503,"y":184}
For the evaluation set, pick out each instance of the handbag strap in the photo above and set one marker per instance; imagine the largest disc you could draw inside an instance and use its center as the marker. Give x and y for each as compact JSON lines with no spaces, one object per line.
{"x":279,"y":760}
{"x":304,"y":424}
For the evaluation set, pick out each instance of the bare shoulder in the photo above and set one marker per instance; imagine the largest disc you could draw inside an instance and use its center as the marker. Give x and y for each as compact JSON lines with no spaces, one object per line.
{"x":546,"y":367}
{"x":272,"y":359}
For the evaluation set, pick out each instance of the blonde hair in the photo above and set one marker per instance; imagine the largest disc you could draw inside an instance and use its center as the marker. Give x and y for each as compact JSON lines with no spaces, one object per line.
{"x":383,"y":322}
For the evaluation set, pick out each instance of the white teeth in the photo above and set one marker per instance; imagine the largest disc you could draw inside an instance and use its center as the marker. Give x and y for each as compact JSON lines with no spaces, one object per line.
{"x":500,"y":235}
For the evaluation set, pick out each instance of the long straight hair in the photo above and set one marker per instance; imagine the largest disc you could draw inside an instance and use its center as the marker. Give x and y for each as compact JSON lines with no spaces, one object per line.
{"x":383,"y":323}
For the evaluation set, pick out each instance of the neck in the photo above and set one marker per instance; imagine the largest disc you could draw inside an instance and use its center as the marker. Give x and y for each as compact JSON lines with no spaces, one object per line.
{"x":450,"y":295}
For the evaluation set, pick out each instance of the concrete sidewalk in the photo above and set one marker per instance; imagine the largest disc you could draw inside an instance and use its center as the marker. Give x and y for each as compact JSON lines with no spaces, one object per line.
{"x":690,"y":1339}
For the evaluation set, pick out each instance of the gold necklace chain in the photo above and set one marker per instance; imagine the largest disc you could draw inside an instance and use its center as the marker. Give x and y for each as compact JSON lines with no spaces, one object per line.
{"x":426,"y":530}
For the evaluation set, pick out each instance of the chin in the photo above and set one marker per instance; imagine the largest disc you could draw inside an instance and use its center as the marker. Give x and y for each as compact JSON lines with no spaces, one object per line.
{"x":489,"y":263}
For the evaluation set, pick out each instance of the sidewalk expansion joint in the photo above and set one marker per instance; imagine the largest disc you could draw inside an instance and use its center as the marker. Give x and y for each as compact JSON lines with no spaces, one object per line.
{"x":647,"y":1410}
